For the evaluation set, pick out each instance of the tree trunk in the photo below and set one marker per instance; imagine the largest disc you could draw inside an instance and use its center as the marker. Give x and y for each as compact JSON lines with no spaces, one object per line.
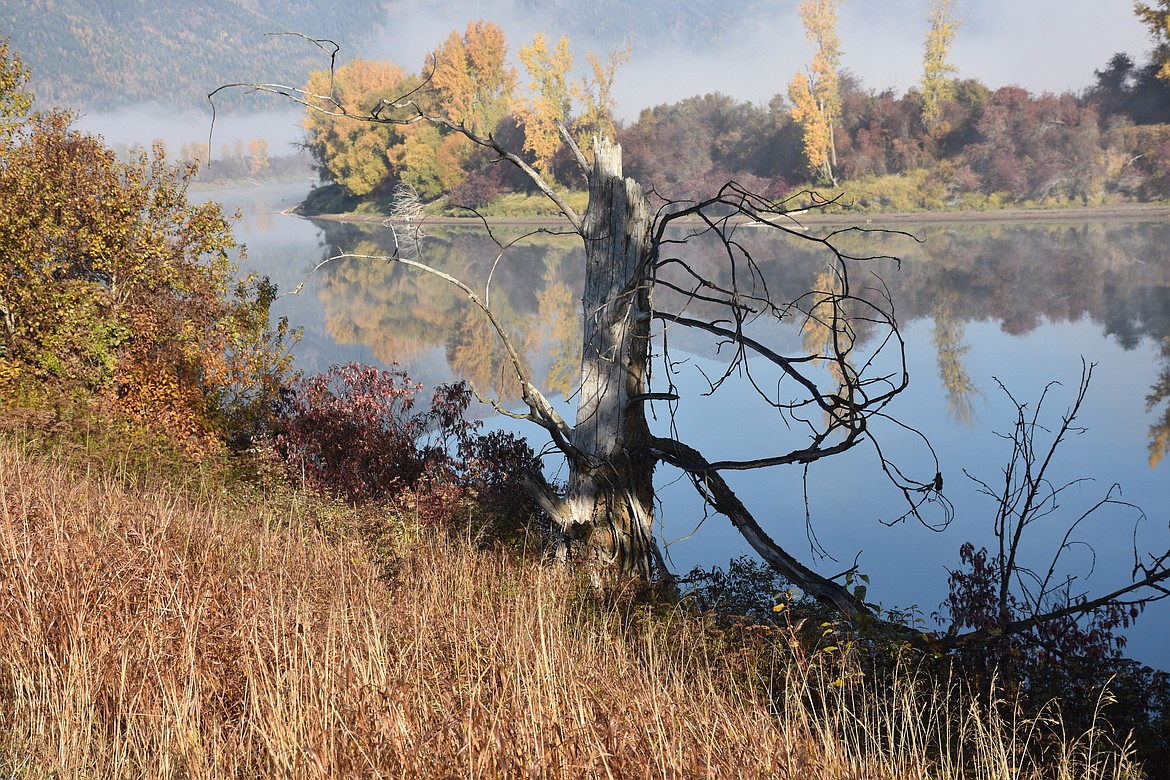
{"x":610,"y":498}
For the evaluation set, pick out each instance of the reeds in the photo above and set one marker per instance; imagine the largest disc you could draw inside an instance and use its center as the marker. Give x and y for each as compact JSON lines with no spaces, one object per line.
{"x":147,"y":633}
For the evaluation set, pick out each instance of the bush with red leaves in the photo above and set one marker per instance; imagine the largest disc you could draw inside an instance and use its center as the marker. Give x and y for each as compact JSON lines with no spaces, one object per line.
{"x":1066,"y":661}
{"x":354,"y":431}
{"x":479,"y":189}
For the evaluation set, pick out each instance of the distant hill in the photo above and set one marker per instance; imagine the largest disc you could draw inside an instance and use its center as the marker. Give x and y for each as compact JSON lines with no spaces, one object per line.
{"x":106,"y":54}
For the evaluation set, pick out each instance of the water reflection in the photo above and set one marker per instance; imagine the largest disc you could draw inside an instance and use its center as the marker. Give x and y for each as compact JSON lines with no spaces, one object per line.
{"x":1019,"y":277}
{"x":1159,"y":398}
{"x":400,"y":313}
{"x":949,"y":341}
{"x":1018,"y":303}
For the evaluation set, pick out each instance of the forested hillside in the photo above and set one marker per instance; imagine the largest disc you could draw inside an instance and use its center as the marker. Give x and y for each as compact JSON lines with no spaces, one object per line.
{"x":653,"y":23}
{"x":101,"y":55}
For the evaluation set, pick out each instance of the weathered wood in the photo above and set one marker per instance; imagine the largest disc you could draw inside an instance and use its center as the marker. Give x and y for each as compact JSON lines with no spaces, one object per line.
{"x":610,"y":496}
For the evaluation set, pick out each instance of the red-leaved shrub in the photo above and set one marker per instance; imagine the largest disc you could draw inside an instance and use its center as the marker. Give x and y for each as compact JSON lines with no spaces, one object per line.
{"x":354,"y":432}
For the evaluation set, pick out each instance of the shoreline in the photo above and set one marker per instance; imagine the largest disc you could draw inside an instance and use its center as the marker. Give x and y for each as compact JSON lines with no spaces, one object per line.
{"x":1127,"y":212}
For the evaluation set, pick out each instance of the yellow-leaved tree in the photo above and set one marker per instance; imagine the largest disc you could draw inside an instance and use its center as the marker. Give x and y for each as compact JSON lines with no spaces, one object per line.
{"x":15,"y":98}
{"x":545,"y":111}
{"x":938,"y":85}
{"x":1156,"y":16}
{"x":596,"y":96}
{"x":430,"y":161}
{"x":816,"y":95}
{"x":356,"y":155}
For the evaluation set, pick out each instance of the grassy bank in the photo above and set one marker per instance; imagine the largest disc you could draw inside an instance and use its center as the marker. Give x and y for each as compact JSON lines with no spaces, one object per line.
{"x":153,"y":627}
{"x":912,"y":196}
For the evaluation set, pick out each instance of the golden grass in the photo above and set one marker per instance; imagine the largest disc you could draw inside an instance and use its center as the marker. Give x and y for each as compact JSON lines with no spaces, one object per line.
{"x":147,"y":633}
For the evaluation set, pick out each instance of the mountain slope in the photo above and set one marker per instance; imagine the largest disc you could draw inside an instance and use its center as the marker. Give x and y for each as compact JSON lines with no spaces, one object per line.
{"x":102,"y":55}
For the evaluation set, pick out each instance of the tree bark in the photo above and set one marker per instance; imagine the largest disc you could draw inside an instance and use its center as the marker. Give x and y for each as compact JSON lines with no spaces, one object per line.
{"x":610,"y":496}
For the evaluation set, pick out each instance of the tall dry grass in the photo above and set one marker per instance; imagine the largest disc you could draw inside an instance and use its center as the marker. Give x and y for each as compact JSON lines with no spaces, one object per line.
{"x":147,"y":633}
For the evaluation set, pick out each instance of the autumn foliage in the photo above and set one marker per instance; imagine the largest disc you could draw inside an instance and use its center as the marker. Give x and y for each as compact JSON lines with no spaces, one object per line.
{"x":978,"y":147}
{"x":355,"y":431}
{"x":354,"y":154}
{"x":816,"y":95}
{"x":116,"y":288}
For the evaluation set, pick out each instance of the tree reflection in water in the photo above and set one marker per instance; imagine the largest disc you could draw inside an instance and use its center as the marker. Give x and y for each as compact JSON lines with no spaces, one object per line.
{"x":1020,"y":276}
{"x":1160,"y":397}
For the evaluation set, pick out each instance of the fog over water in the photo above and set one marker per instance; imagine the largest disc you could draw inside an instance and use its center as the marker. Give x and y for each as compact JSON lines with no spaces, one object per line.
{"x":1041,"y":45}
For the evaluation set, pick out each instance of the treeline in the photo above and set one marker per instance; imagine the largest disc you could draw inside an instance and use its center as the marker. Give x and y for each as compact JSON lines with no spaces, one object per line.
{"x":996,"y":147}
{"x":963,"y":146}
{"x":241,"y":162}
{"x":246,"y":161}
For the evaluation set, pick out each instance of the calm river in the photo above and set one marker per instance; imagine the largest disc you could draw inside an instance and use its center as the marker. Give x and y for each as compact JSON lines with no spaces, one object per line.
{"x":979,"y":305}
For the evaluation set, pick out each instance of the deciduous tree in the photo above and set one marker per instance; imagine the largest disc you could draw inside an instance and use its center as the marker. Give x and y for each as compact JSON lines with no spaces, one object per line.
{"x":355,"y":155}
{"x":641,"y":290}
{"x":472,"y":77}
{"x":815,"y":96}
{"x":635,"y":276}
{"x":15,"y":98}
{"x":1156,"y":16}
{"x":937,"y":71}
{"x":596,"y":95}
{"x":257,"y":155}
{"x":683,"y":150}
{"x":1035,"y":147}
{"x":545,"y":111}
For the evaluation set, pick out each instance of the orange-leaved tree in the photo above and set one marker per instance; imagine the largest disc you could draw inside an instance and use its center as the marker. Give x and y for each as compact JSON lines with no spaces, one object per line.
{"x":472,"y":77}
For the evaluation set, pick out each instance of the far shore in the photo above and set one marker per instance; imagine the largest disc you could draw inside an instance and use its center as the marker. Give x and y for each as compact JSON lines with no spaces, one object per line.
{"x":1120,"y":212}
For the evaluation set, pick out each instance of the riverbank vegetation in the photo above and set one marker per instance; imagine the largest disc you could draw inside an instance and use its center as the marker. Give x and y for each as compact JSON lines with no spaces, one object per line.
{"x":187,"y":624}
{"x":211,"y":567}
{"x":948,"y":143}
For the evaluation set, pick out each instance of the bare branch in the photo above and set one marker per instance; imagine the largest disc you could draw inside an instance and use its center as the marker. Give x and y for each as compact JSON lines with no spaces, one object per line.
{"x":1026,"y":497}
{"x":716,"y":492}
{"x":541,"y":411}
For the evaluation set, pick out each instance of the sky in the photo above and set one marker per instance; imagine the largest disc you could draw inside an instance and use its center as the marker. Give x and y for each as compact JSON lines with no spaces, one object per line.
{"x":1041,"y":45}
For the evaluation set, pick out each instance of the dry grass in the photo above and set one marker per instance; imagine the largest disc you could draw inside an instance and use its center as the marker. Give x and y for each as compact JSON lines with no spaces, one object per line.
{"x":146,"y":633}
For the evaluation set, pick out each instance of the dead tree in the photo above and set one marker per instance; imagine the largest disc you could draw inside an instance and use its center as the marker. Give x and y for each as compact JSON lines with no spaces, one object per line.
{"x":637,"y":288}
{"x":1019,"y":597}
